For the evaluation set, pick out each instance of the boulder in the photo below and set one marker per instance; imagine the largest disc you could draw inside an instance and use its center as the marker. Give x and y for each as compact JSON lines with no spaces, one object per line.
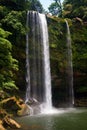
{"x":1,"y":126}
{"x":15,"y":106}
{"x":10,"y":105}
{"x":8,"y":122}
{"x":24,"y":110}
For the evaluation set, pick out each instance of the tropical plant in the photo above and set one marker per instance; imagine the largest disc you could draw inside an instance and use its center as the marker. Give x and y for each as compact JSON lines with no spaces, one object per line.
{"x":75,"y":8}
{"x":7,"y":63}
{"x":56,"y":8}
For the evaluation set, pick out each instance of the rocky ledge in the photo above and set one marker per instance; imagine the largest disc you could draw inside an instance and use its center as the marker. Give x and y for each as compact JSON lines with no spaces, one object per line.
{"x":9,"y":108}
{"x":6,"y":121}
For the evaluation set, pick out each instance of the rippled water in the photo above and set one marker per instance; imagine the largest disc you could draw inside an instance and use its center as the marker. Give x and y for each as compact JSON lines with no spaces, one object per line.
{"x":63,"y":119}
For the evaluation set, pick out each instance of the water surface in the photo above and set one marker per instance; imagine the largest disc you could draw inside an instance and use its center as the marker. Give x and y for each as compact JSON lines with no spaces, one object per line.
{"x":69,"y":119}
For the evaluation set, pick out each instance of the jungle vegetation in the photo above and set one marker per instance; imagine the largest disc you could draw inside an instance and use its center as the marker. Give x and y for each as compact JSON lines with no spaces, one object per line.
{"x":13,"y":43}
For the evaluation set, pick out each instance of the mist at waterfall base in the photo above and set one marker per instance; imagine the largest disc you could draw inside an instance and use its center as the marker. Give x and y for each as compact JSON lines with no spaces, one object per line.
{"x":38,"y":78}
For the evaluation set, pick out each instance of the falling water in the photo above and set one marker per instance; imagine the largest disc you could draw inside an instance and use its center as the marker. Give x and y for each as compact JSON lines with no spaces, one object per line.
{"x":69,"y":67}
{"x":27,"y":64}
{"x":37,"y":61}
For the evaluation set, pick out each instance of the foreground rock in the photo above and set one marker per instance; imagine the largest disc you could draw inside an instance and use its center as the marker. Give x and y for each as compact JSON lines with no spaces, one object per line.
{"x":11,"y":105}
{"x":81,"y":102}
{"x":34,"y":106}
{"x":24,"y":110}
{"x":1,"y":126}
{"x":15,"y":106}
{"x":8,"y":122}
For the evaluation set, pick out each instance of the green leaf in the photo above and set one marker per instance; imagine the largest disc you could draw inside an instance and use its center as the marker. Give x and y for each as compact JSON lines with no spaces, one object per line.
{"x":10,"y":85}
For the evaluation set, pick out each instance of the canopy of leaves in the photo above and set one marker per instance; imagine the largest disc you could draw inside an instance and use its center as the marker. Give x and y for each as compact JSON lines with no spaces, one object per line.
{"x":35,"y":5}
{"x":13,"y":19}
{"x":20,"y":5}
{"x":7,"y":62}
{"x":13,"y":4}
{"x":15,"y":22}
{"x":75,"y":8}
{"x":56,"y":8}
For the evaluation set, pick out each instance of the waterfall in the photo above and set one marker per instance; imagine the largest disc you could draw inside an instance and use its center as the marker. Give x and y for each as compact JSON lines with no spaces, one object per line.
{"x":38,"y":76}
{"x":27,"y":64}
{"x":69,"y":67}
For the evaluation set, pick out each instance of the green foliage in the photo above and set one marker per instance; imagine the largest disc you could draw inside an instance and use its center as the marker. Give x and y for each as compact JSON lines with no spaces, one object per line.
{"x":57,"y":40}
{"x":56,"y":8}
{"x":67,"y":10}
{"x":35,"y":5}
{"x":9,"y":85}
{"x":80,"y":57}
{"x":15,"y":22}
{"x":53,"y":9}
{"x":58,"y":50}
{"x":14,"y":4}
{"x":82,"y":89}
{"x":4,"y":34}
{"x":75,"y":8}
{"x":7,"y":62}
{"x":79,"y":41}
{"x":13,"y":19}
{"x":20,"y":5}
{"x":3,"y":11}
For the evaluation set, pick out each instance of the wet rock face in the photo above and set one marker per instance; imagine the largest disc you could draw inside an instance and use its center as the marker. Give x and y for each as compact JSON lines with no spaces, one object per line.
{"x":34,"y":106}
{"x":24,"y":110}
{"x":32,"y":101}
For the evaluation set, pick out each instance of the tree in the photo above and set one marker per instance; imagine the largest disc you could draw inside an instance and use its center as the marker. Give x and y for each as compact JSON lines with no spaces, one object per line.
{"x":75,"y":8}
{"x":7,"y":63}
{"x":56,"y":8}
{"x":15,"y":22}
{"x":14,"y":4}
{"x":35,"y":5}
